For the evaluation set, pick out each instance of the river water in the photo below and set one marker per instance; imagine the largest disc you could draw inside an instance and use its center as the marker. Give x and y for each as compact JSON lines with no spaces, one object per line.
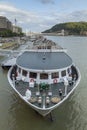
{"x":71,"y":115}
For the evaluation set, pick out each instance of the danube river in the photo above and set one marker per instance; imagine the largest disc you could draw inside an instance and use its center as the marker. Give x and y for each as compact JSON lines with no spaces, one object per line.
{"x":71,"y":115}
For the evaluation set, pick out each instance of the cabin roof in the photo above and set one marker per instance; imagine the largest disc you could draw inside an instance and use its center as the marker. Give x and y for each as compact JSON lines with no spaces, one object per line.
{"x":44,"y":60}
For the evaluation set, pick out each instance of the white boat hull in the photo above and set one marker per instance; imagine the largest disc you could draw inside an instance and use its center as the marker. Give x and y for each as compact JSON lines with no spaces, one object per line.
{"x":43,"y":111}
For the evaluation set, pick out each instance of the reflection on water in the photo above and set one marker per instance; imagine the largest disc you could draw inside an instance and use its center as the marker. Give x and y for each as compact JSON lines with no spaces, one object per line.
{"x":71,"y":115}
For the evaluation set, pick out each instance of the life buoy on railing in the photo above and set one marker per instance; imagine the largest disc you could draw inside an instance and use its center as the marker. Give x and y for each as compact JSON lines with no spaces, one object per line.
{"x":31,"y":80}
{"x":55,"y":81}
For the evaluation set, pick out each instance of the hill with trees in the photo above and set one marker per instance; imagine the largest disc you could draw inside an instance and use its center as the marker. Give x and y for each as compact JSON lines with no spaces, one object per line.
{"x":70,"y":28}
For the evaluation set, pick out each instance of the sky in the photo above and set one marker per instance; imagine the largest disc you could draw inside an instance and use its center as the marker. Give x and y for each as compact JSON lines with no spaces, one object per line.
{"x":40,"y":15}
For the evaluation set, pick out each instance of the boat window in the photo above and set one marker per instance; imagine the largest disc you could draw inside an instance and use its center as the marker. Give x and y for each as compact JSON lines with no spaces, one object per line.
{"x":63,"y":73}
{"x":39,"y":47}
{"x":48,"y":47}
{"x":19,"y":70}
{"x":55,"y":75}
{"x":24,"y":72}
{"x":33,"y":75}
{"x":68,"y":70}
{"x":43,"y":76}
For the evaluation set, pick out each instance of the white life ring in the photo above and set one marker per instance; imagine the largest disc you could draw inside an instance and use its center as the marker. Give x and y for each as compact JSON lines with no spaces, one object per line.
{"x":55,"y":81}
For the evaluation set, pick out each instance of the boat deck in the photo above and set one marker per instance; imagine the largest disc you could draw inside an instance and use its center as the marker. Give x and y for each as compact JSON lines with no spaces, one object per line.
{"x":39,"y":98}
{"x":45,"y":97}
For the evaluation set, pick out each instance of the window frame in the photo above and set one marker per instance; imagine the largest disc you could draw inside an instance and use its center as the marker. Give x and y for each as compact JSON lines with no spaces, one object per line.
{"x":55,"y":75}
{"x":32,"y":75}
{"x":44,"y":76}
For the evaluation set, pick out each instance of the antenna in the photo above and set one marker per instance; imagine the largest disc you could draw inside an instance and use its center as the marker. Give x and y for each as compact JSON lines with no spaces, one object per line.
{"x":44,"y":53}
{"x":44,"y":57}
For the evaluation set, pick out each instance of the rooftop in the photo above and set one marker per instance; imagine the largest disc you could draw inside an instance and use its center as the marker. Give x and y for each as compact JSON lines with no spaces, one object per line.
{"x":44,"y":60}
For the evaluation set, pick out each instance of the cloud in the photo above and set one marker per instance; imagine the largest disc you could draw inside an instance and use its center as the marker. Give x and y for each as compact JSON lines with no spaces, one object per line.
{"x":69,"y":17}
{"x":76,"y":16}
{"x":47,"y":1}
{"x":22,"y":16}
{"x":41,"y":21}
{"x":26,"y":19}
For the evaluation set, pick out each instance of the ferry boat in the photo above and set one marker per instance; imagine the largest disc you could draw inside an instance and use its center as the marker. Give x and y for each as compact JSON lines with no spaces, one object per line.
{"x":44,"y":76}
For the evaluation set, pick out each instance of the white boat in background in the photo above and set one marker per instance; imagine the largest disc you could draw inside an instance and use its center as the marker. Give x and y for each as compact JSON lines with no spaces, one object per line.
{"x":44,"y":77}
{"x":8,"y":63}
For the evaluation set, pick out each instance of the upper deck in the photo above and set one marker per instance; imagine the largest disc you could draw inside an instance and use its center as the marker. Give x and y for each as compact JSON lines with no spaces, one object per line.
{"x":44,"y":60}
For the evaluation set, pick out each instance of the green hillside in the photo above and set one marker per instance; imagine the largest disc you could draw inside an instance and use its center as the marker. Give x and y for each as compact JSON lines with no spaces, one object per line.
{"x":70,"y":28}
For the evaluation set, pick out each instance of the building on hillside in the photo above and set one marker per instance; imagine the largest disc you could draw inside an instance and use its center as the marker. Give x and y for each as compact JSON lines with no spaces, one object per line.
{"x":17,"y":29}
{"x":5,"y":24}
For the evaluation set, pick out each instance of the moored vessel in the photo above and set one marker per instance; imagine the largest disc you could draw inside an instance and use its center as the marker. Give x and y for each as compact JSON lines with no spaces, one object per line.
{"x":44,"y":76}
{"x":8,"y":63}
